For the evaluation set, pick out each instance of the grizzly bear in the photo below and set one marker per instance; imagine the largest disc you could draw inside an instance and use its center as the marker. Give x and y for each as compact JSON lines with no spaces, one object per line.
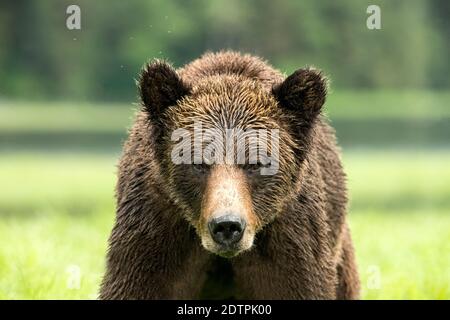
{"x":211,"y":229}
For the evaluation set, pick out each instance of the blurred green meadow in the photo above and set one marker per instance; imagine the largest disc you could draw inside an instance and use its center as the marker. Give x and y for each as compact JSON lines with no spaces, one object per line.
{"x":57,"y":173}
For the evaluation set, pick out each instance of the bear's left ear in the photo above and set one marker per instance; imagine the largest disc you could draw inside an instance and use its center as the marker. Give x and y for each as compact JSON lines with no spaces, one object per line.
{"x":160,"y":87}
{"x":303,"y":93}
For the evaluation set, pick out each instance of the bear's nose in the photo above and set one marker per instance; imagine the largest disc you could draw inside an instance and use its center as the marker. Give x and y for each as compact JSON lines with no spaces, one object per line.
{"x":227,"y":229}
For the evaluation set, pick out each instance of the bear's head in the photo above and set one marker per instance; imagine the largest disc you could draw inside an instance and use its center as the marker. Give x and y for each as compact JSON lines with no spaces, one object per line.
{"x":231,"y":150}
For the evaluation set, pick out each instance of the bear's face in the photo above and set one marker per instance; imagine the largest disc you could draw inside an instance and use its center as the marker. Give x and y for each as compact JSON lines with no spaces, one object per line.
{"x":231,"y":151}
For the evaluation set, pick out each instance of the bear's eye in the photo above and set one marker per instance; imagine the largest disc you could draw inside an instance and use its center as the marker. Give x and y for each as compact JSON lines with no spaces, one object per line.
{"x":201,"y":168}
{"x":253,"y":169}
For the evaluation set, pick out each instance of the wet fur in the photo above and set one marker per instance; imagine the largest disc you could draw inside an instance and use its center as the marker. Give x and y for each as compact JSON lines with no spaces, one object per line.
{"x":302,"y":251}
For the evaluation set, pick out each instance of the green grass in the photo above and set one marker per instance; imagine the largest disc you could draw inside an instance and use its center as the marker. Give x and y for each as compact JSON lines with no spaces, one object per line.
{"x":23,"y":116}
{"x":56,"y":211}
{"x":406,"y":104}
{"x":57,"y":117}
{"x":407,"y":251}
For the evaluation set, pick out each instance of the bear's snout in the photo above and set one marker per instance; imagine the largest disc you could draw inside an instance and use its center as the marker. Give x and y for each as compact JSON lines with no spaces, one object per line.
{"x":227,"y":230}
{"x":227,"y":222}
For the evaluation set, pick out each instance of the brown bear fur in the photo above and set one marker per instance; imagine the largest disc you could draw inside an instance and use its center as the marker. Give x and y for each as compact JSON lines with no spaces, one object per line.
{"x":302,"y":248}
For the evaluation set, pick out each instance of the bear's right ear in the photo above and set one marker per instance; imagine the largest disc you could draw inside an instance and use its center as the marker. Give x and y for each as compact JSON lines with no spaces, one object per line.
{"x":160,"y":87}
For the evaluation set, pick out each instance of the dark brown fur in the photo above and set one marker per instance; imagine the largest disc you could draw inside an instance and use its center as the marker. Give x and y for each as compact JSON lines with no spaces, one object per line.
{"x":302,"y":248}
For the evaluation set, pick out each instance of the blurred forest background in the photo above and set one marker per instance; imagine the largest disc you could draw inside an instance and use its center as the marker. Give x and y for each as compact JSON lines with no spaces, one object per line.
{"x":41,"y":58}
{"x":67,"y":98}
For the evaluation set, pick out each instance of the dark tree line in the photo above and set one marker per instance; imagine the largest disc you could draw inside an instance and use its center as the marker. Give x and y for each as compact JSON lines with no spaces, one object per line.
{"x":40,"y":58}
